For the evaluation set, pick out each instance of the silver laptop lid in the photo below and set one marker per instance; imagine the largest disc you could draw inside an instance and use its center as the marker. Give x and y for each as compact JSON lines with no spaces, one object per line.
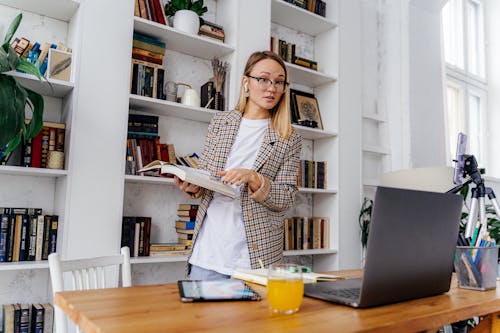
{"x":411,"y":244}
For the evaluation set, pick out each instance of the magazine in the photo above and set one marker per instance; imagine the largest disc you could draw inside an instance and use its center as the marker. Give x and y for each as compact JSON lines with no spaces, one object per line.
{"x":259,"y":276}
{"x":194,"y":176}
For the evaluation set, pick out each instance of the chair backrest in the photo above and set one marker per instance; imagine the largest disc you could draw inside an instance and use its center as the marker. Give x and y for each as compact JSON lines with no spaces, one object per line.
{"x":85,"y":274}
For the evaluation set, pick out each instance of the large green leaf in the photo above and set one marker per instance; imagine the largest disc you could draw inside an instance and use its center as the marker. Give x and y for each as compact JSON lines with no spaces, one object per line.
{"x":12,"y":28}
{"x":9,"y":60}
{"x":12,"y":101}
{"x":29,"y":68}
{"x":35,"y":124}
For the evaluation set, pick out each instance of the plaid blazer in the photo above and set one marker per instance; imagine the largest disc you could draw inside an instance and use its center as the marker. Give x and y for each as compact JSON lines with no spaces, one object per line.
{"x":262,"y":211}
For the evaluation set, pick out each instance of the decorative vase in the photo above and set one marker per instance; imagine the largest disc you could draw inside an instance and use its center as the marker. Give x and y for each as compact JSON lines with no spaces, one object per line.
{"x":219,"y":101}
{"x":187,"y":21}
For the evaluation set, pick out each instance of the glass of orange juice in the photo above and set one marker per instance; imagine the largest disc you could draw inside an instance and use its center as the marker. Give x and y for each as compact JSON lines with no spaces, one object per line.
{"x":285,"y":288}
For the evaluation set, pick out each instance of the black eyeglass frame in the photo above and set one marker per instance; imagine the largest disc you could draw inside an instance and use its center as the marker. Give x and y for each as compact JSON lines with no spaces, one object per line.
{"x":264,"y":79}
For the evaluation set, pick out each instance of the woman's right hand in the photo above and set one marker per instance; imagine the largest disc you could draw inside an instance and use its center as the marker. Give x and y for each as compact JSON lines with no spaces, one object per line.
{"x":188,"y":188}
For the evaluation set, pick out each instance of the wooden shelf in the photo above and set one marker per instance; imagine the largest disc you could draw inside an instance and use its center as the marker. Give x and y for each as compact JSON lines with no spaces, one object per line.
{"x":46,"y":87}
{"x":299,"y":19}
{"x":155,"y":260}
{"x":308,"y":77}
{"x":308,"y":252}
{"x":194,"y":45}
{"x":22,"y":265}
{"x":317,"y":190}
{"x":313,"y":133}
{"x":25,"y":171}
{"x":376,"y":150}
{"x":167,"y":108}
{"x":59,"y":9}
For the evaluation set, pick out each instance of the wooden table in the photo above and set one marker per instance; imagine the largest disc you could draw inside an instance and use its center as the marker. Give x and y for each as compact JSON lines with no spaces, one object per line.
{"x":157,"y":308}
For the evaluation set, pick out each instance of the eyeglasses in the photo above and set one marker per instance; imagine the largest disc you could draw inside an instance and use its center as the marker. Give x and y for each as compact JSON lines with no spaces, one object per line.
{"x":265,"y":83}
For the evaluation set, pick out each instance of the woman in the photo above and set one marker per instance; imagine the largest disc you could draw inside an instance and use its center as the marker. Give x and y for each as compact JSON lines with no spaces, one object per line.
{"x":255,"y":149}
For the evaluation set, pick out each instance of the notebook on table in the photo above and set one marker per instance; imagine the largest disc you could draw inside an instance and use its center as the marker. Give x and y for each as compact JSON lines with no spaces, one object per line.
{"x":410,"y":250}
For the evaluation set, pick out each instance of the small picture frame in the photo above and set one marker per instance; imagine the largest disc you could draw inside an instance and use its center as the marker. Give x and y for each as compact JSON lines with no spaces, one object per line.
{"x":59,"y":65}
{"x":305,"y":109}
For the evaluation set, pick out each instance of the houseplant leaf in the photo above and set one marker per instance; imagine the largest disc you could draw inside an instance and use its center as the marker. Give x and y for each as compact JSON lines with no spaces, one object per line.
{"x":35,"y":124}
{"x":12,"y":101}
{"x":12,"y":29}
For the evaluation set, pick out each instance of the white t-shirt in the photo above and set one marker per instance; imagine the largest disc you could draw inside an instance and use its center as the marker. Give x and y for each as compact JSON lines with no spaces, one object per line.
{"x":221,"y":244}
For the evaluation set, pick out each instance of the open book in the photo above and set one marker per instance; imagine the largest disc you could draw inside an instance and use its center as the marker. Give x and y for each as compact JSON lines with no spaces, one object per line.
{"x":194,"y":176}
{"x":259,"y":276}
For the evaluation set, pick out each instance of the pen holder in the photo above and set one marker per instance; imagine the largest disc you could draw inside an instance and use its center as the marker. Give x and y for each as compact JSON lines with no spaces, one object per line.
{"x":476,"y":267}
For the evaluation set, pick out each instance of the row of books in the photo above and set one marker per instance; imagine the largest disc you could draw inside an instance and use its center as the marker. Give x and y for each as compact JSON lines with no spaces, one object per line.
{"x":152,"y":10}
{"x":36,"y":150}
{"x":184,"y":225}
{"x":136,"y":234}
{"x":315,"y":6}
{"x":35,"y":52}
{"x":26,"y":234}
{"x":212,"y":30}
{"x":147,"y":74}
{"x":286,"y":51}
{"x":304,"y":233}
{"x":312,"y":174}
{"x":28,"y":318}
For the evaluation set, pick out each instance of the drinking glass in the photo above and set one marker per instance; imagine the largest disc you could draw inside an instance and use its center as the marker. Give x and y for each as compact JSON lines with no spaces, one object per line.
{"x":285,"y":288}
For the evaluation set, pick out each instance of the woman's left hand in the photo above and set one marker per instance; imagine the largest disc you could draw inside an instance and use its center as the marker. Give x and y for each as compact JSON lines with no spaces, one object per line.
{"x":241,"y":176}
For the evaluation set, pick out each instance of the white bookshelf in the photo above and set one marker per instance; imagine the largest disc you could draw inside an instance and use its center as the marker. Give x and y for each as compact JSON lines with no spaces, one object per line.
{"x":167,"y":108}
{"x":307,"y":76}
{"x":309,"y":252}
{"x":375,"y":117}
{"x":24,"y":265}
{"x":37,"y":172}
{"x":25,"y":187}
{"x":296,"y":18}
{"x":45,"y":87}
{"x":196,"y":46}
{"x":62,"y":10}
{"x":314,"y":133}
{"x":376,"y":149}
{"x":158,"y":260}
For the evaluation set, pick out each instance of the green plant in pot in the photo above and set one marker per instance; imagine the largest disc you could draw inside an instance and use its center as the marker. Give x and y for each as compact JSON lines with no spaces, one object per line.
{"x":14,"y":97}
{"x":187,"y":14}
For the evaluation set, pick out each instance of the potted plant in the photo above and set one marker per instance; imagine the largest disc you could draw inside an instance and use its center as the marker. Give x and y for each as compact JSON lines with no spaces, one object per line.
{"x":187,"y":14}
{"x":14,"y":97}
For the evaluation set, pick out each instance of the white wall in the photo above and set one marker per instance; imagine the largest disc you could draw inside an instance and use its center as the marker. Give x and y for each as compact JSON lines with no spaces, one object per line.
{"x":426,"y":85}
{"x":492,"y":11}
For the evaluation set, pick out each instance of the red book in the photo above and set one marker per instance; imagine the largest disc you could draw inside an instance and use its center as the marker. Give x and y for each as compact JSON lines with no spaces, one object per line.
{"x":36,"y":150}
{"x":152,"y":9}
{"x":159,"y":12}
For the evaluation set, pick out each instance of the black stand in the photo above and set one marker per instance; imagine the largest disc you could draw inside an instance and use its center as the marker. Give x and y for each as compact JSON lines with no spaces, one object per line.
{"x":478,"y":196}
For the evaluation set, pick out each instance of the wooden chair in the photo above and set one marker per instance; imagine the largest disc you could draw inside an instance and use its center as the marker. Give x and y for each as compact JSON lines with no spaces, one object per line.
{"x":85,"y":274}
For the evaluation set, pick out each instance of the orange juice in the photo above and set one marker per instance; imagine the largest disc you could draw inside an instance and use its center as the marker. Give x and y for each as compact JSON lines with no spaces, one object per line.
{"x":285,"y":295}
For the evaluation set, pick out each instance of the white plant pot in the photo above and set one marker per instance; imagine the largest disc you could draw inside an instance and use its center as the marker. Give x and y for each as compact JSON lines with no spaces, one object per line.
{"x":187,"y":21}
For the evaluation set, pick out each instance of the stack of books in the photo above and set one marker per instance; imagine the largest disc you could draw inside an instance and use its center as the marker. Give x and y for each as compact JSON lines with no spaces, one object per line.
{"x":150,"y":10}
{"x":28,"y":317}
{"x":167,"y":250}
{"x":136,"y":232}
{"x":26,"y":234}
{"x":212,"y":30}
{"x":185,"y":223}
{"x":286,"y":51}
{"x":305,"y":233}
{"x":148,"y":73}
{"x":312,"y":174}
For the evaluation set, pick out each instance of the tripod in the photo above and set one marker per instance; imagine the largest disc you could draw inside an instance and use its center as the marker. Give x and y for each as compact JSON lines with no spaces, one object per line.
{"x":473,"y":229}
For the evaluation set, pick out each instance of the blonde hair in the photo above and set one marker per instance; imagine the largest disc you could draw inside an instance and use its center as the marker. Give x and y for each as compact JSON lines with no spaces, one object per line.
{"x":280,"y":114}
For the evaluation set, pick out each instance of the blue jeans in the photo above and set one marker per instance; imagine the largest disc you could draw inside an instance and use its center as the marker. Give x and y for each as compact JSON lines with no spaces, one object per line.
{"x":198,"y":273}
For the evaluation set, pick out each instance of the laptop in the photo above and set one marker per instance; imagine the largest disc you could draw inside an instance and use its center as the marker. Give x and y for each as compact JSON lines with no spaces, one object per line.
{"x":410,"y":250}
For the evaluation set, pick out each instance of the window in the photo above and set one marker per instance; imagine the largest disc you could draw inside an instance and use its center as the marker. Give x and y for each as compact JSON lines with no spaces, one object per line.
{"x":466,"y":84}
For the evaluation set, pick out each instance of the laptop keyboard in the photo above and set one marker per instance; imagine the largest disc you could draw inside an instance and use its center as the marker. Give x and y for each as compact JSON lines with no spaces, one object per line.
{"x":349,"y":293}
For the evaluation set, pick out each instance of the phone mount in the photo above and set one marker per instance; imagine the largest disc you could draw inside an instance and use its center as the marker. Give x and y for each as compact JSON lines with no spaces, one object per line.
{"x":476,"y":229}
